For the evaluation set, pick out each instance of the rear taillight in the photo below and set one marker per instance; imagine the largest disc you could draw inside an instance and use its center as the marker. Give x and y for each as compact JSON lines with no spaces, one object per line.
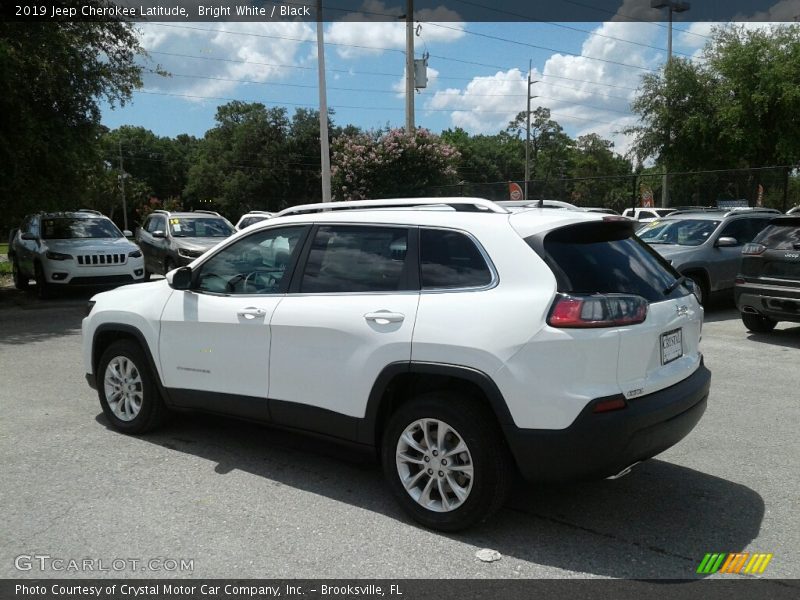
{"x":753,"y":249}
{"x":598,"y":310}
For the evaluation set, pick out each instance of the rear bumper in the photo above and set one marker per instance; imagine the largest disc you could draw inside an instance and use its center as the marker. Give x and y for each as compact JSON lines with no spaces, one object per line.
{"x":781,"y":303}
{"x":600,"y":445}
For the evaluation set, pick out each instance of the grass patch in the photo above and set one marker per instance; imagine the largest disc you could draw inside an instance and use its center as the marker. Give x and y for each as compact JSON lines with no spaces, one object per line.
{"x":3,"y":248}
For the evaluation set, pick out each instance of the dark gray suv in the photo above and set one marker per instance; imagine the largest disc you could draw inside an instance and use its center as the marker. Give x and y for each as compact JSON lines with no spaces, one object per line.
{"x":174,"y":239}
{"x":706,"y":245}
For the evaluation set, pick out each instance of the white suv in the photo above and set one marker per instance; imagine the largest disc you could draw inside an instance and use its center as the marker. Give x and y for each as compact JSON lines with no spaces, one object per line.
{"x":65,"y":249}
{"x":459,"y":340}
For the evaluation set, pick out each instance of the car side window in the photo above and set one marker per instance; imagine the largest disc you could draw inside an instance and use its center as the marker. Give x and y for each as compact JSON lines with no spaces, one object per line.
{"x":255,"y":264}
{"x":152,"y":224}
{"x":450,"y":259}
{"x":740,"y":229}
{"x":356,"y":259}
{"x":646,"y":214}
{"x":34,"y":227}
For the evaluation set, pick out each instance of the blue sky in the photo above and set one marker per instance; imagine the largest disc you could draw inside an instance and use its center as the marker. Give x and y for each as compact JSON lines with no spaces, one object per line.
{"x":587,"y":72}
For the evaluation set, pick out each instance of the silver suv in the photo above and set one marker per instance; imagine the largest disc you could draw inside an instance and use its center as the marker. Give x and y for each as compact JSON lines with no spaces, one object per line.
{"x":706,"y":245}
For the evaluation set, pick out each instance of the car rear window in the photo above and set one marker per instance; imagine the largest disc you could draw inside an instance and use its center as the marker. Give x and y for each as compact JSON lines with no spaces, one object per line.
{"x":606,"y":258}
{"x":782,"y":234}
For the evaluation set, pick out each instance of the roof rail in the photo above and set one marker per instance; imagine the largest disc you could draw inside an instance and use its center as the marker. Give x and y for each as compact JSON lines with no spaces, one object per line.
{"x":758,"y":209}
{"x":89,"y":211}
{"x":208,"y":212}
{"x":161,"y":211}
{"x":458,"y":204}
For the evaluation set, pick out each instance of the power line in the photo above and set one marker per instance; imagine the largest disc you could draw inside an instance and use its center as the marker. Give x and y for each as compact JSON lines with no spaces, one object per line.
{"x":278,"y":102}
{"x":563,"y":26}
{"x":548,"y":49}
{"x":390,"y":92}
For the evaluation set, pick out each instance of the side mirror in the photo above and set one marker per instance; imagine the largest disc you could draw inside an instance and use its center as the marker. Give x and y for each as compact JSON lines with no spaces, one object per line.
{"x":180,"y":279}
{"x":28,"y":237}
{"x":127,"y":233}
{"x":159,"y":234}
{"x":727,"y":242}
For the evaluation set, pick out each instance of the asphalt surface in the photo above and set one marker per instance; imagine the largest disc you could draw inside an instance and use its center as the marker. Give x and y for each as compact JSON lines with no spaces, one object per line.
{"x":242,"y":500}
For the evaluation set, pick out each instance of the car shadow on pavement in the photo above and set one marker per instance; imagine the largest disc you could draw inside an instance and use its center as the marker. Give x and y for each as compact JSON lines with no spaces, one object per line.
{"x":787,"y":335}
{"x":658,"y":522}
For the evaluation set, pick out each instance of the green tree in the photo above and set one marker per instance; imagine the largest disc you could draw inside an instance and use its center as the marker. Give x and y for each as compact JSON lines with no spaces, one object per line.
{"x":736,"y":108}
{"x":53,"y":76}
{"x":242,"y":163}
{"x":389,"y":165}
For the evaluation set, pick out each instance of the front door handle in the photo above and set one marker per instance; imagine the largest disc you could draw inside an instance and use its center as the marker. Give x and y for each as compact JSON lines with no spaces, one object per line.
{"x":251,"y":312}
{"x":384,"y":317}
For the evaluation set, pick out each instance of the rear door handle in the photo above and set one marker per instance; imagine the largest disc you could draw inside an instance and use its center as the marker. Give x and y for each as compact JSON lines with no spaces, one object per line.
{"x":251,"y":312}
{"x":384,"y":317}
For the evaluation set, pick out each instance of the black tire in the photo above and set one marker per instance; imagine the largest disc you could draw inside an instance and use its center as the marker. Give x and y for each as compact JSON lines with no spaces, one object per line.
{"x":43,"y":289}
{"x":20,"y":280}
{"x":153,"y":412}
{"x":493,"y":471}
{"x":168,"y":265}
{"x":758,"y":323}
{"x":146,"y":275}
{"x":702,"y":287}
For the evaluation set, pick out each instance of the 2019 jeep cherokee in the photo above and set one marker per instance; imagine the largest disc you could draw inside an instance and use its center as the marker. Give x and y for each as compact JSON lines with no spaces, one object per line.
{"x":461,"y":341}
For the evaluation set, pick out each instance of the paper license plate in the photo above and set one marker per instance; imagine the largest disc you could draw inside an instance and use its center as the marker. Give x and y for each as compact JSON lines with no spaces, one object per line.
{"x":671,"y":346}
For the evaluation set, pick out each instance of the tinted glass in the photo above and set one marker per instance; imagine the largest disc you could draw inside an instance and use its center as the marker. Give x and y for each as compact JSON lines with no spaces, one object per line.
{"x":449,"y":259}
{"x":781,"y":236}
{"x":155,"y":224}
{"x":247,"y":221}
{"x":743,"y":230}
{"x":204,"y":227}
{"x":606,"y":258}
{"x":252,"y":265}
{"x":681,"y":232}
{"x":356,"y":259}
{"x":67,"y":229}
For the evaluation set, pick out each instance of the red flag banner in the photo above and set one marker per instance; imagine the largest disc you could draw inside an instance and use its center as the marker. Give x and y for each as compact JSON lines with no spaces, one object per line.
{"x":514,"y":191}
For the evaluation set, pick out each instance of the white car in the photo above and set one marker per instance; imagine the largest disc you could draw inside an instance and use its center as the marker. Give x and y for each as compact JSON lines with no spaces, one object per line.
{"x":254,"y":216}
{"x":460,"y":344}
{"x":647,"y":215}
{"x":71,"y":249}
{"x":514,"y":205}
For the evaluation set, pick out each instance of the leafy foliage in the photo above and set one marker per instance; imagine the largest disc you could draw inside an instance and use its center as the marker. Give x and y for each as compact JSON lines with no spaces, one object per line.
{"x":391,"y":164}
{"x":52,"y":77}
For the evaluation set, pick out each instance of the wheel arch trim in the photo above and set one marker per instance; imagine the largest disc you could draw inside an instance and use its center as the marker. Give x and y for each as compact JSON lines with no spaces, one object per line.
{"x":128,"y":330}
{"x":367,"y":429}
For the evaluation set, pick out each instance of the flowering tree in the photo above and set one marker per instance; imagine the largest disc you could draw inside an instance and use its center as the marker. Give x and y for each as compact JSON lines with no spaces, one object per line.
{"x":391,"y":164}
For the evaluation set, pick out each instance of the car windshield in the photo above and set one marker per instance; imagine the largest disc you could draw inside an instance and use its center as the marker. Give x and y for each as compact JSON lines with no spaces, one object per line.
{"x":65,"y":228}
{"x":203,"y":227}
{"x":680,"y":232}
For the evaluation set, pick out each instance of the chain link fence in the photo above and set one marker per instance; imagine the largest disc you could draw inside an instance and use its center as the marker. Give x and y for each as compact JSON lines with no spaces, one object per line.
{"x":772,"y":187}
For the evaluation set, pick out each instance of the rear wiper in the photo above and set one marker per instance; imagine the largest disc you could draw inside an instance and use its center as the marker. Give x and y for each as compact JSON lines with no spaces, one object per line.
{"x":673,"y":286}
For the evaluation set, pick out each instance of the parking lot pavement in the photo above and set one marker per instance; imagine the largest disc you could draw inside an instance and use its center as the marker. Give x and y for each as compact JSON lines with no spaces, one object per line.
{"x":247,"y":501}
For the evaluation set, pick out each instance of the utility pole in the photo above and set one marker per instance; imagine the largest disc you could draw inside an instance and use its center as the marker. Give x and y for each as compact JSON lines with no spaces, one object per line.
{"x":528,"y":129}
{"x":325,"y":153}
{"x":674,"y":6}
{"x":122,"y":187}
{"x":409,"y":66}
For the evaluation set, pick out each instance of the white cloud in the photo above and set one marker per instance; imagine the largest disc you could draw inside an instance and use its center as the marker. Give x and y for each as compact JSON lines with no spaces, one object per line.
{"x":230,"y":51}
{"x":585,"y":95}
{"x":374,"y":37}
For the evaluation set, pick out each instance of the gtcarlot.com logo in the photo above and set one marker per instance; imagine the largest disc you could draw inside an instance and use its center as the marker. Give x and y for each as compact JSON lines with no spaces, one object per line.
{"x":734,"y":562}
{"x":45,"y":562}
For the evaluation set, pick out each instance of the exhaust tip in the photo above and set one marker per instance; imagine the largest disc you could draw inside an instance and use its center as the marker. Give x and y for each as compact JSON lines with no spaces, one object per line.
{"x":624,"y":471}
